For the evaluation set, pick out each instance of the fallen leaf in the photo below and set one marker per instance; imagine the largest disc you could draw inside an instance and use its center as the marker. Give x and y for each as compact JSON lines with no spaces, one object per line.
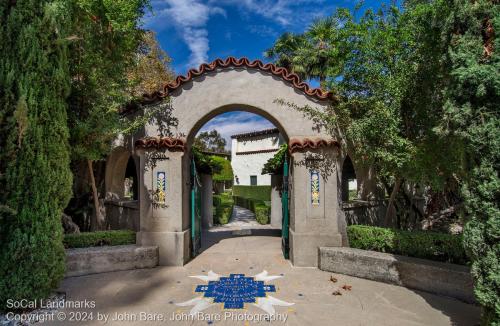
{"x":347,"y":287}
{"x":336,"y":293}
{"x":333,"y":279}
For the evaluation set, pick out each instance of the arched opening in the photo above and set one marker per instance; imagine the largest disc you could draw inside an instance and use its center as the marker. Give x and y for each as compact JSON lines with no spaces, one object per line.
{"x":349,"y":181}
{"x":247,"y":138}
{"x":131,"y":182}
{"x":122,"y":191}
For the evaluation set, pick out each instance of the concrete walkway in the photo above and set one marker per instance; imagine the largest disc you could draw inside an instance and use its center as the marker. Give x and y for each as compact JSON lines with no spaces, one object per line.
{"x":242,"y":219}
{"x":157,"y":291}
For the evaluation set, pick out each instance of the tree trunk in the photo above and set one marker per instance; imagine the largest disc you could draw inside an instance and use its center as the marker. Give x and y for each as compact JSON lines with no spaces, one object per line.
{"x":391,"y":210}
{"x":96,"y":220}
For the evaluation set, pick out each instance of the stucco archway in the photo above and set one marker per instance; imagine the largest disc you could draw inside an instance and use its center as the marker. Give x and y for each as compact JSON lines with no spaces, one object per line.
{"x":222,"y":86}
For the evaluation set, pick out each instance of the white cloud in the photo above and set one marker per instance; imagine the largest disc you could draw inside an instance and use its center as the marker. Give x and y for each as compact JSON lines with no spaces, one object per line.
{"x":189,"y":18}
{"x":283,"y":12}
{"x":232,"y":123}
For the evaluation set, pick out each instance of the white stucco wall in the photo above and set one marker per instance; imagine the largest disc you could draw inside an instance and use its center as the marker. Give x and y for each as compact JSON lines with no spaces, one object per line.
{"x":246,"y":165}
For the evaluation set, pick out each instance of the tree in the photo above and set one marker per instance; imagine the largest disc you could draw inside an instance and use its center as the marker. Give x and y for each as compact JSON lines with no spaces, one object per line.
{"x":106,"y":36}
{"x":211,"y":141}
{"x":419,"y":101}
{"x":35,"y":174}
{"x":284,"y":51}
{"x":151,"y":70}
{"x":471,"y":113}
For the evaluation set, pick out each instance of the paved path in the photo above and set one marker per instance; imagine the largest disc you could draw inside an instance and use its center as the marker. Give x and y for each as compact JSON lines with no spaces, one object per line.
{"x":158,"y":290}
{"x":243,"y":220}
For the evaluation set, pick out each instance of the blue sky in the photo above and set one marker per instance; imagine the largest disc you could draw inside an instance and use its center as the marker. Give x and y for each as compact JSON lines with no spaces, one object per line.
{"x":197,"y":31}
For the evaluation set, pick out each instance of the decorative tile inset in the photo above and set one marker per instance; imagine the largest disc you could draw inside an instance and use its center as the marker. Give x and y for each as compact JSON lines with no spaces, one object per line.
{"x":315,"y":188}
{"x":161,"y":187}
{"x":235,"y":291}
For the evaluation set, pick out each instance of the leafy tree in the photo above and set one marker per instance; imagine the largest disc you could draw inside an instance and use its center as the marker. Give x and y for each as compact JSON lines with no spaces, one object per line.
{"x":151,"y":70}
{"x":34,"y":168}
{"x":106,"y":36}
{"x":471,"y":113}
{"x":211,"y":141}
{"x":419,"y":101}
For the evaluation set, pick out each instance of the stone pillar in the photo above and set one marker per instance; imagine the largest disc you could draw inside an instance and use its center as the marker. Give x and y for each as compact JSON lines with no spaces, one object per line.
{"x":276,"y":208}
{"x":163,"y":208}
{"x":206,"y":200}
{"x":314,"y":209}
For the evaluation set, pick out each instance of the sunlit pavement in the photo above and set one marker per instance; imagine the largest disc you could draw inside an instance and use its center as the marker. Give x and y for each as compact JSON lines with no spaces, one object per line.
{"x":146,"y":293}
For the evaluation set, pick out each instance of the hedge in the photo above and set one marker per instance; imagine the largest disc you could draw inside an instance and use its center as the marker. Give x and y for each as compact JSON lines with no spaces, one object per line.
{"x":421,"y":244}
{"x":223,"y":205}
{"x":226,"y":173}
{"x":256,"y":192}
{"x":99,"y":238}
{"x":259,"y":207}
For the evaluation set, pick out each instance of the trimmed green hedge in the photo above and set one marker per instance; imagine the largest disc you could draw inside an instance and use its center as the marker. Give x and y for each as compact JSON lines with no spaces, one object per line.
{"x":421,"y":244}
{"x":259,"y":207}
{"x":223,"y":205}
{"x":256,"y":192}
{"x":99,"y":238}
{"x":226,"y":173}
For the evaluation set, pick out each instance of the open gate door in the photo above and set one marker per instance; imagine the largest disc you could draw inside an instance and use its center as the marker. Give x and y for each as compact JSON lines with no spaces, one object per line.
{"x":195,"y":211}
{"x":285,"y":247}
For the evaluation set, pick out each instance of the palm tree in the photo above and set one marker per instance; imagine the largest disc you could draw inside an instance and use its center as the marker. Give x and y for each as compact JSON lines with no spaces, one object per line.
{"x":310,"y":55}
{"x":319,"y":56}
{"x":284,"y":51}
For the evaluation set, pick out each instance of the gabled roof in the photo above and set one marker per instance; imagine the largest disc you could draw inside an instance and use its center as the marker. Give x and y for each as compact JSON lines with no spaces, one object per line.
{"x":283,"y":73}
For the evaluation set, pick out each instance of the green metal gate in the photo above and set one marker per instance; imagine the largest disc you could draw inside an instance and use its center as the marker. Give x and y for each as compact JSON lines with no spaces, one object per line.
{"x":195,"y":211}
{"x":285,"y":209}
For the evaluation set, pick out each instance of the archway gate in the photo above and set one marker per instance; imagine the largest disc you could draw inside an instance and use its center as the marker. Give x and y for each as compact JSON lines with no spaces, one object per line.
{"x":316,"y":218}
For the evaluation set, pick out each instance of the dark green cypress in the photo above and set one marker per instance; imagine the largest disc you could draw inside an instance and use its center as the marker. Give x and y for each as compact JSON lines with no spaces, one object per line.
{"x":34,"y":169}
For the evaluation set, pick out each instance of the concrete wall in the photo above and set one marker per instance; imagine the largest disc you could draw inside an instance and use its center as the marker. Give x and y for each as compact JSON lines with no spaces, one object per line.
{"x":420,"y":274}
{"x":314,"y":226}
{"x":276,"y":204}
{"x":122,"y":215}
{"x":84,"y":261}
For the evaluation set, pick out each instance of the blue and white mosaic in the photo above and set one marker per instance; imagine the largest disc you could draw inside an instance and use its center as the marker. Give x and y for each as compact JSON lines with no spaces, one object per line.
{"x":235,"y":291}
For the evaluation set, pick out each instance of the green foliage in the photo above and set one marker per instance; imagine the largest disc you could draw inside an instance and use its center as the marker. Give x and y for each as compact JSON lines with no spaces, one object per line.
{"x":99,"y":238}
{"x":429,"y":245}
{"x":259,"y":207}
{"x":275,"y":164}
{"x":226,"y":172}
{"x":223,"y":204}
{"x":106,"y":37}
{"x":206,"y":164}
{"x":34,"y":155}
{"x":255,"y":192}
{"x":210,"y":141}
{"x":471,"y":113}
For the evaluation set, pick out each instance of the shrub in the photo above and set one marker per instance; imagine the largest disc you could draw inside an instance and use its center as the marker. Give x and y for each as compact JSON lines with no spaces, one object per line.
{"x":262,"y":213}
{"x":223,"y":205}
{"x":256,"y":192}
{"x":226,"y":172}
{"x":420,"y":244}
{"x":99,"y":238}
{"x":259,"y":207}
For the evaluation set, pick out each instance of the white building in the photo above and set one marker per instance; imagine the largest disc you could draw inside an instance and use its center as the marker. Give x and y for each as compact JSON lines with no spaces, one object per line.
{"x":249,"y":152}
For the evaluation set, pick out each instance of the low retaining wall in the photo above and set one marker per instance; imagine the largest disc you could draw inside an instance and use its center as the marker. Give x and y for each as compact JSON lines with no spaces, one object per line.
{"x":419,"y":274}
{"x":84,"y":261}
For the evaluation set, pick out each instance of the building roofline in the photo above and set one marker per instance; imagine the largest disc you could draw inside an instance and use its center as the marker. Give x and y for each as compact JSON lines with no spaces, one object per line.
{"x":270,"y":131}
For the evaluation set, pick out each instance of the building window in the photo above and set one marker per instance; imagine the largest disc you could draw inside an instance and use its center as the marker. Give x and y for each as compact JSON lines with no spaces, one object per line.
{"x":253,"y":180}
